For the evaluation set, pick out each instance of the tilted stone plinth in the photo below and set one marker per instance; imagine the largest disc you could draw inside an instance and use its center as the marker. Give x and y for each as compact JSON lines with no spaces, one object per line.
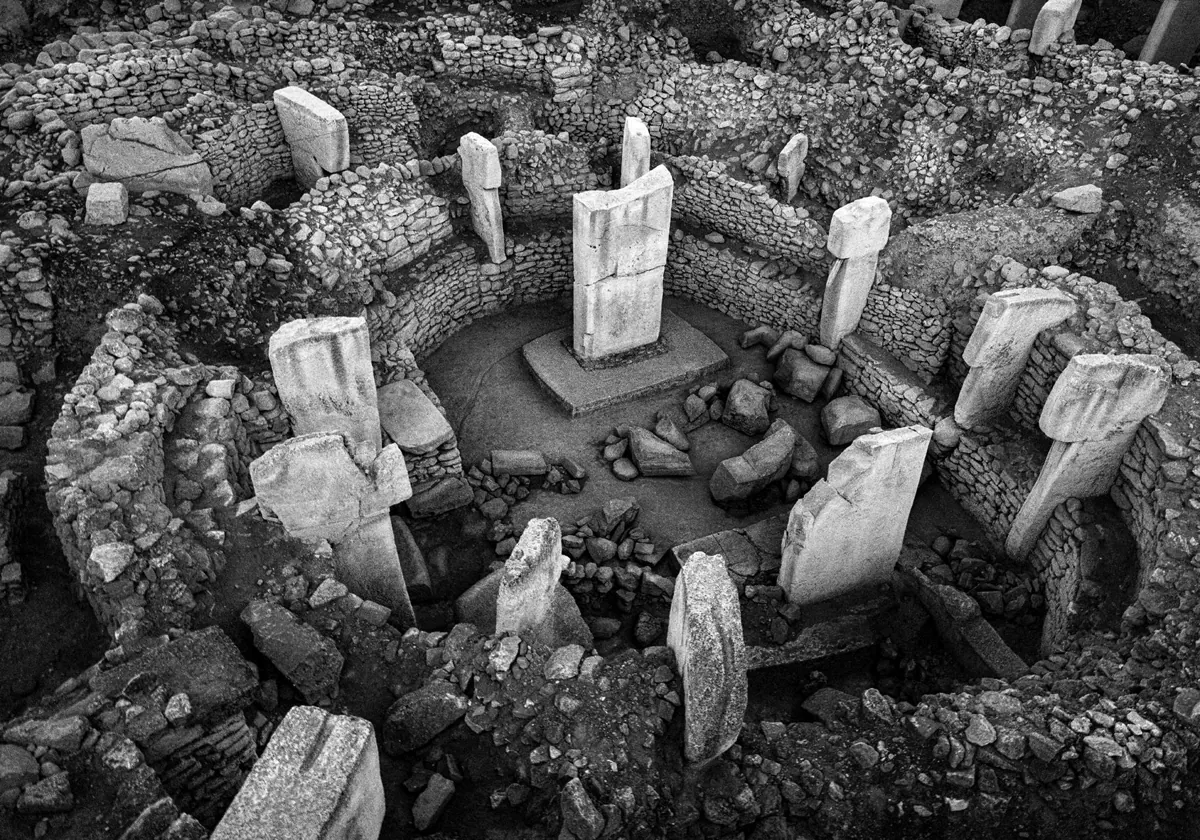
{"x":482,"y":176}
{"x":318,"y":492}
{"x":1055,"y":18}
{"x":1092,"y":414}
{"x":322,"y":368}
{"x":848,"y":530}
{"x":705,"y":632}
{"x":857,"y":233}
{"x":635,"y":151}
{"x":791,"y":164}
{"x":316,"y":133}
{"x":530,"y":576}
{"x":999,"y":349}
{"x":620,"y":251}
{"x":318,"y":779}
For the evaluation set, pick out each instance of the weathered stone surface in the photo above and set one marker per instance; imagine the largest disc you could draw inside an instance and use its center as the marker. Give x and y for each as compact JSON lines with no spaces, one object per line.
{"x":847,"y":531}
{"x":846,"y":418}
{"x":1055,"y":18}
{"x":756,"y":468}
{"x":1175,"y":35}
{"x":799,"y":375}
{"x":482,"y":176}
{"x":419,"y":716}
{"x":705,"y":632}
{"x":519,"y":462}
{"x":107,"y":204}
{"x":620,"y":250}
{"x":64,"y":734}
{"x":412,"y":562}
{"x":108,"y":561}
{"x":310,"y":661}
{"x":580,"y":815}
{"x":446,"y":495}
{"x":144,"y":155}
{"x":432,"y":802}
{"x":531,"y":572}
{"x":655,"y":457}
{"x":316,"y":132}
{"x":563,"y":624}
{"x":791,"y":164}
{"x":318,"y":779}
{"x":17,"y":767}
{"x":859,"y":229}
{"x":1088,"y":198}
{"x":746,"y":408}
{"x":563,"y":664}
{"x":635,"y":151}
{"x":411,"y":419}
{"x":51,"y":795}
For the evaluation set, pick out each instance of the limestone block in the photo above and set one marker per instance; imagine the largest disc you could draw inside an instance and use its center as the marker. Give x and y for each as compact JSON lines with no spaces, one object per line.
{"x":1097,"y":395}
{"x":109,"y":560}
{"x":635,"y":151}
{"x":518,"y":462}
{"x":310,"y":661}
{"x":531,"y":573}
{"x":481,"y":176}
{"x":411,"y":419}
{"x":846,"y":418}
{"x":846,"y":292}
{"x":1175,"y":35}
{"x":323,"y":371}
{"x":1055,"y":18}
{"x":412,"y":562}
{"x":705,"y":632}
{"x":757,"y":468}
{"x":563,"y":625}
{"x":799,"y":375}
{"x":318,"y":779}
{"x":860,"y":228}
{"x":419,"y":716}
{"x":1088,"y":198}
{"x":144,"y":155}
{"x":107,"y":204}
{"x":746,"y":408}
{"x":848,"y":530}
{"x":791,"y":164}
{"x":620,"y":250}
{"x":999,"y":349}
{"x":316,"y":132}
{"x":446,"y":495}
{"x":655,"y":457}
{"x":368,"y":562}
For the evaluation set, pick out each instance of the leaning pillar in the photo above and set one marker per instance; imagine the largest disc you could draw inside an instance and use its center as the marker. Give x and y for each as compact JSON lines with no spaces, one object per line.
{"x":620,"y":251}
{"x":705,"y":632}
{"x":1175,"y":35}
{"x":531,"y":578}
{"x":322,"y":368}
{"x":857,"y":233}
{"x":316,"y":134}
{"x":635,"y":151}
{"x":999,"y":349}
{"x":1022,"y":14}
{"x":1092,"y":414}
{"x":1055,"y":18}
{"x":790,"y":164}
{"x":481,"y":176}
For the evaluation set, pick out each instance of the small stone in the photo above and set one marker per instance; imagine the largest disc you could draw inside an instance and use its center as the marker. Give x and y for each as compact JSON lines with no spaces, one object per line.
{"x":432,"y":802}
{"x":563,"y":664}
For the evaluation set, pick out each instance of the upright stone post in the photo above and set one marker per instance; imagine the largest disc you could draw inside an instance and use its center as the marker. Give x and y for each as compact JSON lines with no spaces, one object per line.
{"x":482,"y":177}
{"x":1175,"y":35}
{"x":1022,"y":14}
{"x":999,"y":349}
{"x":530,"y":578}
{"x":319,"y":491}
{"x":620,"y":251}
{"x":1092,"y":414}
{"x":318,"y":779}
{"x":323,"y":371}
{"x":316,"y":133}
{"x":1055,"y":18}
{"x":791,"y":164}
{"x":848,"y":530}
{"x":635,"y":151}
{"x":705,"y":632}
{"x":857,"y":233}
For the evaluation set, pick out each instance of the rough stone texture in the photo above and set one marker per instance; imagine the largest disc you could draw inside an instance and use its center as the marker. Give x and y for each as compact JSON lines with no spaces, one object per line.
{"x":411,"y":419}
{"x":518,"y":462}
{"x":705,"y":631}
{"x":580,"y":815}
{"x":620,"y":247}
{"x":847,"y":531}
{"x":310,"y":661}
{"x":564,"y":624}
{"x":635,"y":151}
{"x":144,"y":155}
{"x":316,"y":133}
{"x":482,"y":177}
{"x":790,"y":164}
{"x":655,"y":457}
{"x":318,"y":779}
{"x":746,"y":408}
{"x":1056,"y":18}
{"x":845,"y":418}
{"x":432,"y":802}
{"x":1088,"y":198}
{"x":799,"y":375}
{"x":419,"y":716}
{"x":107,"y":204}
{"x":1175,"y":35}
{"x":859,"y":229}
{"x":758,"y":467}
{"x":528,"y":602}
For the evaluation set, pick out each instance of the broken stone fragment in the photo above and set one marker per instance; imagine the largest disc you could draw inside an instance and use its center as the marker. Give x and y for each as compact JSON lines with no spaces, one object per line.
{"x":107,"y":204}
{"x":1088,"y":198}
{"x":432,"y":802}
{"x":144,"y":154}
{"x":419,"y":716}
{"x":845,"y":418}
{"x":51,"y":795}
{"x":746,"y":408}
{"x":655,"y":457}
{"x":108,"y":561}
{"x":580,"y":815}
{"x":310,"y":661}
{"x":757,"y":468}
{"x":800,"y":376}
{"x":411,"y":419}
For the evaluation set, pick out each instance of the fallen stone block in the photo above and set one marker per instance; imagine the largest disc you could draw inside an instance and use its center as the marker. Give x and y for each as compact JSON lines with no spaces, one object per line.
{"x":563,"y":624}
{"x":420,"y":716}
{"x":799,"y":375}
{"x":432,"y":802}
{"x":309,"y":661}
{"x":518,"y":462}
{"x":107,"y":204}
{"x":846,"y":418}
{"x":655,"y":457}
{"x":144,"y":155}
{"x":411,"y":419}
{"x":1088,"y":198}
{"x":747,"y":551}
{"x":446,"y":495}
{"x":757,"y":468}
{"x":746,"y":408}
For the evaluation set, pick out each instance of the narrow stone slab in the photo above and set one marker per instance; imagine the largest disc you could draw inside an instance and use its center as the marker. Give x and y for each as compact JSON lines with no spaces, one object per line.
{"x":310,"y":661}
{"x":518,"y":462}
{"x":705,"y":631}
{"x":318,"y":779}
{"x":411,"y":419}
{"x":830,"y":638}
{"x":316,"y":132}
{"x":563,"y":625}
{"x":689,"y":355}
{"x":1175,"y":35}
{"x":859,"y":229}
{"x":635,"y":151}
{"x":482,"y":175}
{"x":791,"y":164}
{"x":1055,"y":18}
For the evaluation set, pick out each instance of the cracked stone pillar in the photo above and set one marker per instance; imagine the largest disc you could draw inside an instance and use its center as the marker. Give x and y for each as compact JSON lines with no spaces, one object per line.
{"x":848,"y":530}
{"x":1092,"y":414}
{"x":1175,"y":35}
{"x":316,"y":133}
{"x":323,"y":371}
{"x":857,"y":233}
{"x":999,"y":349}
{"x":791,"y":164}
{"x":482,"y":176}
{"x":620,"y":251}
{"x":1022,"y":14}
{"x":318,"y":779}
{"x":531,"y":575}
{"x":705,"y":632}
{"x":318,"y":490}
{"x":635,"y":151}
{"x":1055,"y":18}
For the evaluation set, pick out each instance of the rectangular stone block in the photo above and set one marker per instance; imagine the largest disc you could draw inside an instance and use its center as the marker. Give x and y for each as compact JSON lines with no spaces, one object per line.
{"x":316,"y":132}
{"x":107,"y":204}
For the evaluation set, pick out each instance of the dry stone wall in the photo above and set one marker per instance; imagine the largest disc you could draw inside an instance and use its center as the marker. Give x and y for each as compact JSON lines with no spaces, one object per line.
{"x":243,"y":144}
{"x":541,"y":174}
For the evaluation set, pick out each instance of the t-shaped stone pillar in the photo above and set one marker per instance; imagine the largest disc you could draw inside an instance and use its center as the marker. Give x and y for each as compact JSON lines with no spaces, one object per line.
{"x":1055,"y":18}
{"x":1000,"y":346}
{"x":322,"y":369}
{"x":791,"y":164}
{"x":316,"y":133}
{"x":635,"y":151}
{"x":319,"y":491}
{"x":620,"y":249}
{"x":1092,"y":414}
{"x":482,"y":177}
{"x":847,"y":531}
{"x":857,"y":233}
{"x":705,"y":631}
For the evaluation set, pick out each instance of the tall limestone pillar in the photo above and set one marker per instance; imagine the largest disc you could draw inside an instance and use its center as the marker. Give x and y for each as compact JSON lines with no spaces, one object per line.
{"x":635,"y":151}
{"x":791,"y":164}
{"x":481,"y":175}
{"x":316,"y":133}
{"x":1092,"y":414}
{"x":857,"y":233}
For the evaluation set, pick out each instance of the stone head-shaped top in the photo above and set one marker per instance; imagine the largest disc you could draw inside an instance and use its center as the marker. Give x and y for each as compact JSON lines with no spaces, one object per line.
{"x":1099,"y":395}
{"x":480,"y":161}
{"x":859,"y":228}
